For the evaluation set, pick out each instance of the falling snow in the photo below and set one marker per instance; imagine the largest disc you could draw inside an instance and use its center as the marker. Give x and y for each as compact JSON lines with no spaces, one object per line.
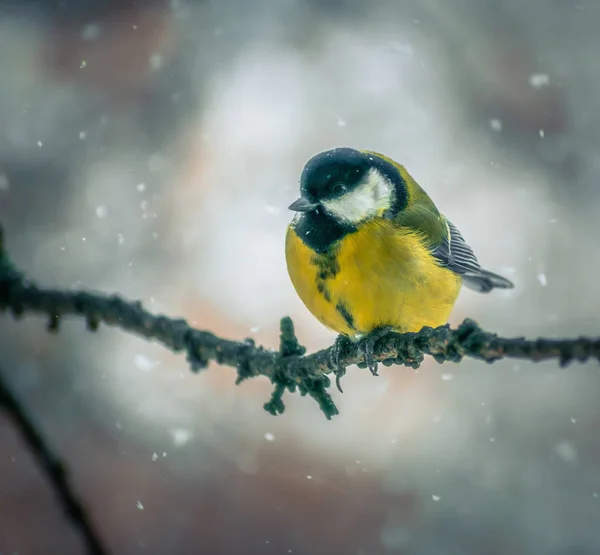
{"x":539,"y":80}
{"x":272,"y":209}
{"x":496,"y":124}
{"x":542,"y":279}
{"x":181,"y":436}
{"x":90,"y":32}
{"x":144,"y":363}
{"x":156,"y":62}
{"x":566,"y":451}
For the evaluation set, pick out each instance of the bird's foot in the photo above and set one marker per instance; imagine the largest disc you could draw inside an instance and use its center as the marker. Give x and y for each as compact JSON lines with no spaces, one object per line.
{"x":337,"y":352}
{"x":367,"y":345}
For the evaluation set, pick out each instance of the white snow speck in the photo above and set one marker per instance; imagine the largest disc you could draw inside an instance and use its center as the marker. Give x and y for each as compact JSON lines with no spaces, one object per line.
{"x":539,"y":80}
{"x":341,"y":122}
{"x":566,"y":451}
{"x":542,"y":133}
{"x":269,"y":436}
{"x":164,"y":454}
{"x":120,"y":238}
{"x":101,"y":211}
{"x":82,"y":135}
{"x":90,"y":32}
{"x":144,"y":363}
{"x":40,"y":144}
{"x":573,"y":420}
{"x":157,"y":163}
{"x":309,"y":477}
{"x":435,"y":497}
{"x":154,"y":456}
{"x":496,"y":124}
{"x":272,"y":209}
{"x":542,"y":279}
{"x":140,"y":506}
{"x":255,"y":329}
{"x":4,"y":184}
{"x":595,"y":494}
{"x":181,"y":436}
{"x":402,"y":48}
{"x":156,"y":62}
{"x":141,"y":187}
{"x":447,"y":377}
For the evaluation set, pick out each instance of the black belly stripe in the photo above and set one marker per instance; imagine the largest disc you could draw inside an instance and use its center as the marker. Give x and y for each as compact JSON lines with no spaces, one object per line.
{"x":327,"y":264}
{"x":345,"y":314}
{"x":322,"y":288}
{"x":327,"y":268}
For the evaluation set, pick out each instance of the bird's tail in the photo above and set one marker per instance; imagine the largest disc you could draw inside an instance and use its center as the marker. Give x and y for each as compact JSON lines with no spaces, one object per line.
{"x":484,"y":281}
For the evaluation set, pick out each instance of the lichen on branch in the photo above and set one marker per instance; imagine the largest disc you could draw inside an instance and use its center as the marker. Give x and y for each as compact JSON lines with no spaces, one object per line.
{"x":289,"y":368}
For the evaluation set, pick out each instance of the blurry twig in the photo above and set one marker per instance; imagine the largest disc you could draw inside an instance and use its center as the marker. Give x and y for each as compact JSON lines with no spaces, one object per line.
{"x":52,"y":467}
{"x":288,"y":369}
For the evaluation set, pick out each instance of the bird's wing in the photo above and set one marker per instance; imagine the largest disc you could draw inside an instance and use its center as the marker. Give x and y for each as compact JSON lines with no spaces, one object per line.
{"x":454,"y":253}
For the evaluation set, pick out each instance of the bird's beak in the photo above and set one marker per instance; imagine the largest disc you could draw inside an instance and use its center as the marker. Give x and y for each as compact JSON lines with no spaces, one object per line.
{"x":302,"y":205}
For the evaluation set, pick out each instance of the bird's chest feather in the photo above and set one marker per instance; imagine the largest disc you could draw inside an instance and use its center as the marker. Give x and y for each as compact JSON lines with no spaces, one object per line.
{"x":379,"y":275}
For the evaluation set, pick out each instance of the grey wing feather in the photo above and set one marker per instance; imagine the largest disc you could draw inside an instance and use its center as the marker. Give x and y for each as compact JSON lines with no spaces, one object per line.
{"x":455,"y":254}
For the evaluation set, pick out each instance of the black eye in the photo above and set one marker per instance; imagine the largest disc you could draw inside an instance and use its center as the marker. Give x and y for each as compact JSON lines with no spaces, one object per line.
{"x":339,"y":189}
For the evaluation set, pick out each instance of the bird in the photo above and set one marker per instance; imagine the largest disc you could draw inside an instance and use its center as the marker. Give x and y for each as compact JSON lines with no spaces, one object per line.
{"x":368,"y":252}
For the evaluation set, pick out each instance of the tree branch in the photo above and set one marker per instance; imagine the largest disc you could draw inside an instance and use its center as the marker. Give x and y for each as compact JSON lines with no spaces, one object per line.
{"x":52,"y":467}
{"x":288,"y":369}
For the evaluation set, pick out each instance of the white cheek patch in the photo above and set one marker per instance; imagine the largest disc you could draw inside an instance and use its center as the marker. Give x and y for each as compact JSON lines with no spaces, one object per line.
{"x":370,"y":198}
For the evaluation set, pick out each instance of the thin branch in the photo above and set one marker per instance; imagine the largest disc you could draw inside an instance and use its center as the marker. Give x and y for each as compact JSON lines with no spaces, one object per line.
{"x":52,"y":467}
{"x":288,"y":369}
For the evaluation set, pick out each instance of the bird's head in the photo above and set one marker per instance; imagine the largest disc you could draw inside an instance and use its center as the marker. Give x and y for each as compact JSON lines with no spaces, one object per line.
{"x":351,"y":186}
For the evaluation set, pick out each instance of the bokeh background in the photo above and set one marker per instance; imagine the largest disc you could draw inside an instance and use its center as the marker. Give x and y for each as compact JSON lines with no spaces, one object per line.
{"x":151,"y":149}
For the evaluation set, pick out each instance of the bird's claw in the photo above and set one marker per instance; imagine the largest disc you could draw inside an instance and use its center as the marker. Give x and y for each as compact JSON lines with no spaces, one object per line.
{"x":367,"y":346}
{"x":337,"y":351}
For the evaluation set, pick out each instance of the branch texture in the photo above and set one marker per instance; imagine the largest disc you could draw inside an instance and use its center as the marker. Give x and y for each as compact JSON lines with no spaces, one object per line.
{"x":52,"y":467}
{"x":288,"y":368}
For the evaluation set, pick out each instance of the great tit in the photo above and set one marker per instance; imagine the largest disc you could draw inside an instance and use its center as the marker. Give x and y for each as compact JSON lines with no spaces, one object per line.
{"x":368,"y":251}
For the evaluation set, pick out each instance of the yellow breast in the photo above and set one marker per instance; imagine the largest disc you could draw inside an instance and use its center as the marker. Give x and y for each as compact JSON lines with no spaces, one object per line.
{"x":380,"y":275}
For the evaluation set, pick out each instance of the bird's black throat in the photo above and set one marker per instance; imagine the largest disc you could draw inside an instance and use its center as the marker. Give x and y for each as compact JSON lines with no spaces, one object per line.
{"x":319,"y":231}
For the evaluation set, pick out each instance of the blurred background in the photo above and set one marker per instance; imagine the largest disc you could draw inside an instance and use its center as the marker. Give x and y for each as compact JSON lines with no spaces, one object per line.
{"x":151,"y":148}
